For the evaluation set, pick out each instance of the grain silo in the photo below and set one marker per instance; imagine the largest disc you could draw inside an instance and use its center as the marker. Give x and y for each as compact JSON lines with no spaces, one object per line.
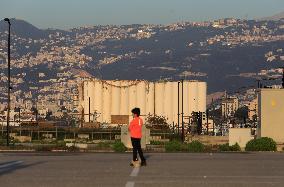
{"x":114,"y":99}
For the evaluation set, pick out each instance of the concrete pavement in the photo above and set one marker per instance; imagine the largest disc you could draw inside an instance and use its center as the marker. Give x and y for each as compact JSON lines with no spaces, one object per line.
{"x":164,"y":169}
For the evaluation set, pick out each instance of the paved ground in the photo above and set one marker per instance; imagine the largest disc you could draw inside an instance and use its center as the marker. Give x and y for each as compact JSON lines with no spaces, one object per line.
{"x":164,"y":169}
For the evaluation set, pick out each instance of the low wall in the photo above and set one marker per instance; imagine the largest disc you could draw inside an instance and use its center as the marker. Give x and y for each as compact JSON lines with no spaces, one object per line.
{"x":209,"y":140}
{"x":22,"y":138}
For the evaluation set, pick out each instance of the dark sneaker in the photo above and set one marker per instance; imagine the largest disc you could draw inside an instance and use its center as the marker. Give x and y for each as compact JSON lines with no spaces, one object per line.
{"x":143,"y":163}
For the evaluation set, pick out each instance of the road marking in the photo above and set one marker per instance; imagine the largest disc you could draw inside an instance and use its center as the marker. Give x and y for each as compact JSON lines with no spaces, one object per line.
{"x":130,"y":184}
{"x":239,"y":176}
{"x":168,"y":182}
{"x":10,"y":164}
{"x":135,"y":172}
{"x":215,"y":176}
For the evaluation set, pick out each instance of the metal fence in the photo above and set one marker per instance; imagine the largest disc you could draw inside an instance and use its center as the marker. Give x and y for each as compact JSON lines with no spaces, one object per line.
{"x":37,"y":133}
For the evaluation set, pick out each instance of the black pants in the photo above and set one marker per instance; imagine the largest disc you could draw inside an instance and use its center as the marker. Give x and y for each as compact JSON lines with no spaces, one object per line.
{"x":136,"y":144}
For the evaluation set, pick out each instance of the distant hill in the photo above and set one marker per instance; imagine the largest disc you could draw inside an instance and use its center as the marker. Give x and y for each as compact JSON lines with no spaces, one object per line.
{"x":274,"y":18}
{"x":166,"y":55}
{"x":23,"y":29}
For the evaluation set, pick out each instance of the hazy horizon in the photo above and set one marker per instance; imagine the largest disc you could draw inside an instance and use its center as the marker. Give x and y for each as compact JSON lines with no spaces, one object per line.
{"x":67,"y":14}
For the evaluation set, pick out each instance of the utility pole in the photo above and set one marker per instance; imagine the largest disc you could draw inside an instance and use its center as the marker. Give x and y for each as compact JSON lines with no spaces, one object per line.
{"x":283,"y":78}
{"x":9,"y":77}
{"x":207,"y":124}
{"x":182,"y":114}
{"x":19,"y":115}
{"x":178,"y":107}
{"x":89,"y":109}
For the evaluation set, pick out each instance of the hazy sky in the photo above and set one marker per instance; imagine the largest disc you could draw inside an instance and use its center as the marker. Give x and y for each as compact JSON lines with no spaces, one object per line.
{"x":73,"y":13}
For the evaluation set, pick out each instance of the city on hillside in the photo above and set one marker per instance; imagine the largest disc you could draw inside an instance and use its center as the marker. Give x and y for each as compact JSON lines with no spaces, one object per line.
{"x":234,"y":57}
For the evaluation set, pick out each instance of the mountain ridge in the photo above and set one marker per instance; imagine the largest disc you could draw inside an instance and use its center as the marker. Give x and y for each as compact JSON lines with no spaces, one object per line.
{"x":167,"y":54}
{"x":275,"y":17}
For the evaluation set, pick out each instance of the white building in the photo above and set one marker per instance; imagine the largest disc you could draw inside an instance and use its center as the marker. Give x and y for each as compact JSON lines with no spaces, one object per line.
{"x":229,"y":106}
{"x":253,"y":109}
{"x":109,"y":98}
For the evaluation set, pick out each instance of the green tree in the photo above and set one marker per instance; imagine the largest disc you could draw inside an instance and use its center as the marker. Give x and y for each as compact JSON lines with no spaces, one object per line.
{"x":157,"y":122}
{"x":216,"y":113}
{"x":254,"y":118}
{"x":48,"y":115}
{"x":34,"y":110}
{"x":242,"y":113}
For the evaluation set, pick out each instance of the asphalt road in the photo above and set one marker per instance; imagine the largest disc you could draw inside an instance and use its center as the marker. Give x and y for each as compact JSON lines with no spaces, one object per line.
{"x":164,"y":169}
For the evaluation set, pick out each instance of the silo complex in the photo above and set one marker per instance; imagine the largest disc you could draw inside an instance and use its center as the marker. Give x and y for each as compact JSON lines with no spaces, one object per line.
{"x":116,"y":98}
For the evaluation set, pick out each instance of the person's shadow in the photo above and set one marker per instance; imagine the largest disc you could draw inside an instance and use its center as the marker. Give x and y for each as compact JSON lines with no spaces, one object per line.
{"x":11,"y":166}
{"x":147,"y":156}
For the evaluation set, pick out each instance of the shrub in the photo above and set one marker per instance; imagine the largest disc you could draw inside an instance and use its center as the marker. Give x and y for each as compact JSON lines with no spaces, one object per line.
{"x":153,"y":142}
{"x":261,"y":144}
{"x":175,"y":137}
{"x":196,"y":147}
{"x":227,"y":147}
{"x":224,"y":147}
{"x":210,"y":148}
{"x":157,"y":122}
{"x":3,"y":142}
{"x":235,"y":147}
{"x":57,"y":146}
{"x":43,"y":148}
{"x":119,"y":147}
{"x":173,"y":146}
{"x":73,"y":149}
{"x":60,"y":146}
{"x":103,"y":145}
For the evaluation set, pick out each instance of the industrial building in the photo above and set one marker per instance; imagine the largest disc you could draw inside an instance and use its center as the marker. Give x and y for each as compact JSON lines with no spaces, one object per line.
{"x":111,"y":101}
{"x":271,"y":114}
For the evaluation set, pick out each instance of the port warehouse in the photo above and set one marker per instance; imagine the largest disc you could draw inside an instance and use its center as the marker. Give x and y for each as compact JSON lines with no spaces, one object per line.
{"x":101,"y":100}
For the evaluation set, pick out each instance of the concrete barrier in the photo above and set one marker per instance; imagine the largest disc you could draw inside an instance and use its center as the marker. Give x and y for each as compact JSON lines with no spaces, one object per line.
{"x":23,"y":138}
{"x":240,"y":136}
{"x":69,"y":140}
{"x":83,"y":136}
{"x":48,"y":136}
{"x":208,"y":140}
{"x":78,"y":145}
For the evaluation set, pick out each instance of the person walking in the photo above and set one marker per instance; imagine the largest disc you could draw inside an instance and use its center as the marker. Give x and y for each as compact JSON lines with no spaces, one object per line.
{"x":135,"y":129}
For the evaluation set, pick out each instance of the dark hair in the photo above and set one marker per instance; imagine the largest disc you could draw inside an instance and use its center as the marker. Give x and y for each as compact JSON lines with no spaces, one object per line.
{"x":136,"y":111}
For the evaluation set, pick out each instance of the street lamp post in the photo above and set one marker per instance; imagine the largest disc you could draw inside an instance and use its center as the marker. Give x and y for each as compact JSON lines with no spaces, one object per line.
{"x":9,"y":87}
{"x":283,"y":78}
{"x":182,"y":113}
{"x":207,"y":124}
{"x":178,"y":110}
